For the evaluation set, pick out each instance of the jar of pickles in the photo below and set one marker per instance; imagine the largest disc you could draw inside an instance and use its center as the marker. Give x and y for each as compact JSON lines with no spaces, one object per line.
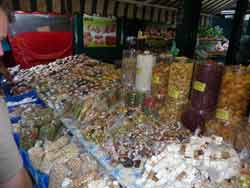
{"x":205,"y":91}
{"x":232,"y":104}
{"x":129,"y":68}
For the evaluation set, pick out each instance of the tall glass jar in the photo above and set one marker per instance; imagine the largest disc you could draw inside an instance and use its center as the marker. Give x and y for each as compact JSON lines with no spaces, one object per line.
{"x":232,"y":104}
{"x":205,"y":91}
{"x":129,"y":69}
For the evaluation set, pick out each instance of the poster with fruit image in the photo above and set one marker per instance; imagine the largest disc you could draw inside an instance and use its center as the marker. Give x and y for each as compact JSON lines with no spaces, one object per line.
{"x":99,"y":31}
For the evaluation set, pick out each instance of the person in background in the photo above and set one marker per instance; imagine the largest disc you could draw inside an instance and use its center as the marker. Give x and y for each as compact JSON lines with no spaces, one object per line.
{"x":12,"y":173}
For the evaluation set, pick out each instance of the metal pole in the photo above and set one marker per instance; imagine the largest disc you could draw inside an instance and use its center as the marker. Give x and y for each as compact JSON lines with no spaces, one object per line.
{"x":234,"y":44}
{"x":186,"y":35}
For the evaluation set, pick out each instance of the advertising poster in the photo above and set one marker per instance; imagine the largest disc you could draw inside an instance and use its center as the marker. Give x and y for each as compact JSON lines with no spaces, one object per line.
{"x":99,"y":31}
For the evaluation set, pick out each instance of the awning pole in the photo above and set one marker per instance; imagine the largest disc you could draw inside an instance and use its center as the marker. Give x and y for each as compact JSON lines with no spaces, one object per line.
{"x":234,"y":44}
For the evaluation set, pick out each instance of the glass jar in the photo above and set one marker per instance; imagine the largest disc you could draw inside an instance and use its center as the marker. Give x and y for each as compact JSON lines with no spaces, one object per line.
{"x":129,"y":69}
{"x":232,"y":104}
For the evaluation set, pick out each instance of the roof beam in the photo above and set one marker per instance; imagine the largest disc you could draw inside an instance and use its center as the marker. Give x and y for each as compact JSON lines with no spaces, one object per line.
{"x":217,"y":3}
{"x":208,"y":3}
{"x":219,"y":7}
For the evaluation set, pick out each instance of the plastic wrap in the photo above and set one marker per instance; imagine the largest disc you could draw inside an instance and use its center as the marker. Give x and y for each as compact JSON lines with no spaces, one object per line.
{"x":27,"y":22}
{"x":144,"y":68}
{"x":232,"y":104}
{"x":129,"y":69}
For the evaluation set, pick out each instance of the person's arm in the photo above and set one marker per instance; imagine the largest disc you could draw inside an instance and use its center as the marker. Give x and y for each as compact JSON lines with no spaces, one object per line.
{"x":12,"y":173}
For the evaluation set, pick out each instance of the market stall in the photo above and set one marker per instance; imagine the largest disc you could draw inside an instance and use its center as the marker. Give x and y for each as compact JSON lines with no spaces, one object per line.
{"x":161,"y":120}
{"x":105,"y":127}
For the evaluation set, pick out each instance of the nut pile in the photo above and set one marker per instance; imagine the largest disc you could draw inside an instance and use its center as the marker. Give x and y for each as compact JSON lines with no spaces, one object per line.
{"x":78,"y":172}
{"x":43,"y":157}
{"x":37,"y":123}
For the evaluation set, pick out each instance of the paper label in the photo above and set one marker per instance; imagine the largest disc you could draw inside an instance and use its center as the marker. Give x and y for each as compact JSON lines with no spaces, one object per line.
{"x":43,"y":29}
{"x":156,"y":80}
{"x":199,"y":86}
{"x":138,"y":71}
{"x":222,"y":114}
{"x":174,"y":93}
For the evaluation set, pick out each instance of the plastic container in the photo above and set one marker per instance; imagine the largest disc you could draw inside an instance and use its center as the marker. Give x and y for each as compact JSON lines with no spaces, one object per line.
{"x":205,"y":91}
{"x":144,"y":67}
{"x":129,"y":69}
{"x":232,"y":104}
{"x":160,"y":80}
{"x":180,"y":77}
{"x":206,"y":86}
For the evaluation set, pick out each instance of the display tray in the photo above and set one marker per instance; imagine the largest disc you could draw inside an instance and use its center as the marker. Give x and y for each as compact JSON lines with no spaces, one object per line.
{"x":126,"y":177}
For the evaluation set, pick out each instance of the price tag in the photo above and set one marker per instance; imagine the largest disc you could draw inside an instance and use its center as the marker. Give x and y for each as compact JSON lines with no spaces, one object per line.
{"x":222,"y":114}
{"x":138,"y":71}
{"x":199,"y":86}
{"x":174,"y":93}
{"x":156,"y":80}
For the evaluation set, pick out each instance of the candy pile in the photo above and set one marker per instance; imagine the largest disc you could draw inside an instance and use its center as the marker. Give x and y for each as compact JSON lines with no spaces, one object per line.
{"x":137,"y":137}
{"x":69,"y":78}
{"x":36,"y":123}
{"x":43,"y":157}
{"x":82,"y":171}
{"x":128,"y":135}
{"x":202,"y":162}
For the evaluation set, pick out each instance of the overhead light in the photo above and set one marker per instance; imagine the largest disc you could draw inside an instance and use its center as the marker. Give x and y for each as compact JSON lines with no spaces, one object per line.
{"x":229,"y":16}
{"x":228,"y":12}
{"x":247,"y":17}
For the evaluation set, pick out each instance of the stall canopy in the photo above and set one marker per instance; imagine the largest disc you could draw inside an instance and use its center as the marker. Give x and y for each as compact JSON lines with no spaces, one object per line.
{"x":152,"y":10}
{"x":208,"y":6}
